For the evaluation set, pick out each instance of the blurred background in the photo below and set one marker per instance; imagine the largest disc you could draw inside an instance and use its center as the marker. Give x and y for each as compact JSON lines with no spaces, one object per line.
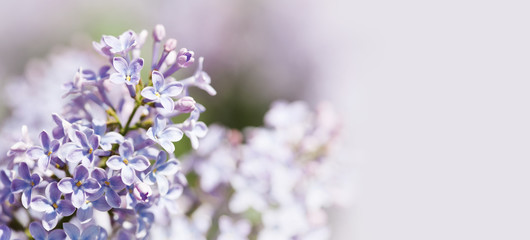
{"x":434,"y":95}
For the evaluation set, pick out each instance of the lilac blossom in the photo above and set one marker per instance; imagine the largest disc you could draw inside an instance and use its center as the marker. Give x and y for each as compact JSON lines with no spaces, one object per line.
{"x":161,"y":92}
{"x":109,"y":187}
{"x":39,"y":233}
{"x":121,"y":45}
{"x":79,"y":186}
{"x":162,"y":135}
{"x":200,"y":79}
{"x":52,"y":206}
{"x":90,"y":233}
{"x":128,"y":73}
{"x":127,"y":162}
{"x":26,"y":184}
{"x":44,"y":154}
{"x":81,"y":149}
{"x":185,"y":105}
{"x":161,"y":170}
{"x":193,"y":128}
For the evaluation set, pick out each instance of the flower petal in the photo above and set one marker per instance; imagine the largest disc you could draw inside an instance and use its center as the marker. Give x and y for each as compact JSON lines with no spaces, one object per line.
{"x":99,"y":174}
{"x":91,"y":185}
{"x":172,"y":134}
{"x":116,"y":183}
{"x":101,"y":205}
{"x":26,"y":198}
{"x":127,"y":175}
{"x":160,"y":124}
{"x":139,"y":163}
{"x":120,"y":65}
{"x":65,"y":207}
{"x":169,"y":168}
{"x":149,"y":93}
{"x":37,"y":231}
{"x":66,"y":185}
{"x":71,"y":230}
{"x":115,"y":163}
{"x":52,"y":191}
{"x":112,"y":198}
{"x":35,"y":152}
{"x":80,"y":173}
{"x":23,"y":171}
{"x":167,"y":102}
{"x":158,"y":80}
{"x":85,"y":212}
{"x":163,"y":184}
{"x":41,"y":204}
{"x":167,"y":145}
{"x":126,"y":149}
{"x":18,"y":185}
{"x":57,"y":234}
{"x":49,"y":220}
{"x":117,"y":78}
{"x":78,"y":198}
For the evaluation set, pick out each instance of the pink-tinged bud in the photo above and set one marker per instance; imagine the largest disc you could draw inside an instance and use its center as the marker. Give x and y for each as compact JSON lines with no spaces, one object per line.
{"x":185,"y":105}
{"x":159,"y":32}
{"x":142,"y":191}
{"x":170,"y":45}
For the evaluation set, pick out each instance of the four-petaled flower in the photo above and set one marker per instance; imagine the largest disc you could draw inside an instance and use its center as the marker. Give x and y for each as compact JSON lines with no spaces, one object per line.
{"x":128,"y":73}
{"x":92,"y":232}
{"x":52,"y":206}
{"x":39,"y":233}
{"x":79,"y":186}
{"x":43,"y":154}
{"x":200,"y":79}
{"x":127,"y":162}
{"x":109,"y":187}
{"x":121,"y":45}
{"x":160,"y":170}
{"x":162,"y":135}
{"x":81,"y":149}
{"x":193,"y":128}
{"x":26,"y":184}
{"x":161,"y":92}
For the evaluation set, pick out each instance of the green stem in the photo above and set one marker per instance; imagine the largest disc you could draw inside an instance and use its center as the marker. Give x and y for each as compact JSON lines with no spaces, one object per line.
{"x":126,"y":129}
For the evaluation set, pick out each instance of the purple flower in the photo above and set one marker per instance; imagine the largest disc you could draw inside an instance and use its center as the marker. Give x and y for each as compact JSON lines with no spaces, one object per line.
{"x":161,"y":92}
{"x":161,"y":169}
{"x":90,"y":233}
{"x":52,"y":206}
{"x":102,"y":48}
{"x":79,"y":185}
{"x":5,"y":232}
{"x":121,"y":45}
{"x":193,"y":128}
{"x":82,"y":148}
{"x":127,"y":162}
{"x":43,"y":154}
{"x":162,"y":135}
{"x":128,"y":73}
{"x":200,"y":79}
{"x":5,"y":191}
{"x":145,"y":218}
{"x":109,"y":187}
{"x":26,"y":184}
{"x":142,"y":191}
{"x":39,"y":233}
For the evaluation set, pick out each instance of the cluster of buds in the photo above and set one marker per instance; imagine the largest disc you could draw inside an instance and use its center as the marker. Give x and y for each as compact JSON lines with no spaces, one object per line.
{"x":107,"y":166}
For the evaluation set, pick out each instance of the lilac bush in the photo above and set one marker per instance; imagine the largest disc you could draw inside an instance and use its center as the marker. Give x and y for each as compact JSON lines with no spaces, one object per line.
{"x":103,"y":171}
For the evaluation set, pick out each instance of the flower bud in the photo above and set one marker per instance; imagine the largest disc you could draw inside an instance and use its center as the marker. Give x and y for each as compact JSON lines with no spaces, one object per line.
{"x":142,"y":191}
{"x":171,"y":58}
{"x":185,"y":105}
{"x":159,"y":32}
{"x":170,"y":45}
{"x":185,"y":58}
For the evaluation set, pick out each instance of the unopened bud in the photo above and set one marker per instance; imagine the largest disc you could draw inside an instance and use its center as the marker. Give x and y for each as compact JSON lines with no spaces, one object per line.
{"x":159,"y":32}
{"x":185,"y":105}
{"x":170,"y":45}
{"x":142,"y":191}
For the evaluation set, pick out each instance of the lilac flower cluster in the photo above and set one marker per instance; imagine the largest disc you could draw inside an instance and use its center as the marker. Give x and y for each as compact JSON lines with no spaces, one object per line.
{"x":103,"y":170}
{"x":272,"y":182}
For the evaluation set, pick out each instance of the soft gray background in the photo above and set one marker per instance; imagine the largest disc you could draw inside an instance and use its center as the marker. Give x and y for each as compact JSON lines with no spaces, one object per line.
{"x":435,"y":95}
